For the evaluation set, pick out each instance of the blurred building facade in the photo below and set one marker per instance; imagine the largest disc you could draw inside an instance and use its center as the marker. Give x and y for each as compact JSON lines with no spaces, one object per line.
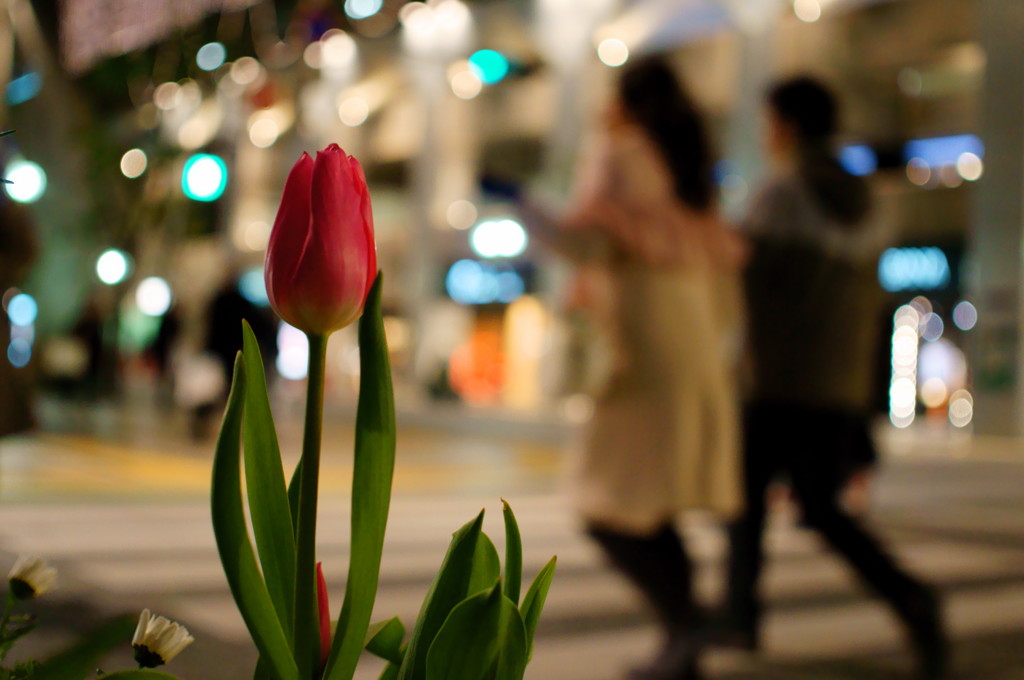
{"x":157,"y":135}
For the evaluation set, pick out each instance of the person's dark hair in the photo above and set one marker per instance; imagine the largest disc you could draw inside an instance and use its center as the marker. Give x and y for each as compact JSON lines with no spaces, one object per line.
{"x":811,"y":111}
{"x":654,"y":98}
{"x":808,"y":106}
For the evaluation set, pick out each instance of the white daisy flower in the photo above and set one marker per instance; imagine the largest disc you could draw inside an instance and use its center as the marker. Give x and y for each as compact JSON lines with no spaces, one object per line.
{"x":158,"y":640}
{"x":31,"y":577}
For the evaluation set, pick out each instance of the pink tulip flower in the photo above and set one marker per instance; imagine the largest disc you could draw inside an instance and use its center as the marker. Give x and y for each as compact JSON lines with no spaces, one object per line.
{"x":322,"y":260}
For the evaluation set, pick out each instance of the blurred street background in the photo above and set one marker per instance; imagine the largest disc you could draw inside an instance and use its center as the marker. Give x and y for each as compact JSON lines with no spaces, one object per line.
{"x":152,"y":141}
{"x":121,"y":508}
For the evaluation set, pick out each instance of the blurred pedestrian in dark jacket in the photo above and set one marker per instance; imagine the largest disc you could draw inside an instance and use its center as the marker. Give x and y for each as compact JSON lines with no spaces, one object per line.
{"x":18,"y":249}
{"x":813,"y":308}
{"x":224,"y":316}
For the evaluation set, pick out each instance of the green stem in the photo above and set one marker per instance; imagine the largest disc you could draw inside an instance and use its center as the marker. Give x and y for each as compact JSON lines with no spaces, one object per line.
{"x":307,"y":634}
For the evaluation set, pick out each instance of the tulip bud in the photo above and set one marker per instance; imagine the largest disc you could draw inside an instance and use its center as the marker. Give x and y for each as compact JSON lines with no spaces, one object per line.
{"x":324,"y":611}
{"x":321,"y":260}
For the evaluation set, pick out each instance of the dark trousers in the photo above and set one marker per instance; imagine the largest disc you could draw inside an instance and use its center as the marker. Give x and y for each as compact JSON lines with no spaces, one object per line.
{"x":810,"y":447}
{"x":659,"y":567}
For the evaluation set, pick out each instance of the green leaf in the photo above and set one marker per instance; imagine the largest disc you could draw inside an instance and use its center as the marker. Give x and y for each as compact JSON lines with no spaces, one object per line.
{"x":384,"y":639}
{"x":264,"y":477}
{"x":450,"y":587}
{"x":6,"y":132}
{"x":138,"y":674}
{"x":533,"y":602}
{"x":486,"y":565}
{"x":80,"y":660}
{"x":372,"y":474}
{"x":468,"y":644}
{"x":390,"y":672}
{"x":513,"y":554}
{"x":293,"y":496}
{"x":514,"y":646}
{"x":236,"y":552}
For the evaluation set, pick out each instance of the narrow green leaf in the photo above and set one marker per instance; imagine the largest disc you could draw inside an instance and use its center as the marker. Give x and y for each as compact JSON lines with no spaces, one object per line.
{"x":373,"y":470}
{"x":293,"y":496}
{"x":469,"y":642}
{"x":450,"y":587}
{"x":264,"y":477}
{"x":138,"y":674}
{"x":512,"y":657}
{"x":533,"y":601}
{"x":486,"y":565}
{"x":513,"y":554}
{"x":233,"y":544}
{"x":80,"y":659}
{"x":6,"y":132}
{"x":390,"y":672}
{"x":384,"y":639}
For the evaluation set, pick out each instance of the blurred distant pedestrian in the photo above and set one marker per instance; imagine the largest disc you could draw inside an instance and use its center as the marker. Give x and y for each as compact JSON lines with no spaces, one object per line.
{"x":18,"y":249}
{"x":224,"y":316}
{"x":813,"y":306}
{"x":664,"y":279}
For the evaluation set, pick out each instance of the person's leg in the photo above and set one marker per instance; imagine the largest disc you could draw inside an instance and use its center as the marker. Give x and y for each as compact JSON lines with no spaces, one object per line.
{"x":746,"y":550}
{"x":660,"y":568}
{"x":914,"y":602}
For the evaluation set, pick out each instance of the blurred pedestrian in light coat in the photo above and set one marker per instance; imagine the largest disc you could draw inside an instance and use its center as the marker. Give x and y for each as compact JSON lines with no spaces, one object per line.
{"x":18,"y":249}
{"x":663,"y":271}
{"x":813,"y":304}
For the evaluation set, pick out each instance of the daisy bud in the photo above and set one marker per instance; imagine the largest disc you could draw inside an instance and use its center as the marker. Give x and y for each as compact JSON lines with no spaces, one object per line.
{"x":158,"y":640}
{"x":31,"y":577}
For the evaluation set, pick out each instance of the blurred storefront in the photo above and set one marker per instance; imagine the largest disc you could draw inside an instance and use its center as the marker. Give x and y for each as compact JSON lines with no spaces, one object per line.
{"x":161,"y":132}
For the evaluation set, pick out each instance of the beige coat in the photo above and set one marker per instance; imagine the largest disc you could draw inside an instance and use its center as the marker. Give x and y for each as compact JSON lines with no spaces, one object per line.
{"x":664,"y":436}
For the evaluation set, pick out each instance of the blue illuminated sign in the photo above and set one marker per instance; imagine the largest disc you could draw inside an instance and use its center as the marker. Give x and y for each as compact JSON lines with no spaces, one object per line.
{"x":858,"y":159}
{"x":913,"y":269}
{"x":939,"y":151}
{"x":478,"y":283}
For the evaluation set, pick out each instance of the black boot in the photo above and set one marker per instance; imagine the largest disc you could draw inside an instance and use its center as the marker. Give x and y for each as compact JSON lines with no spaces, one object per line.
{"x":659,"y":567}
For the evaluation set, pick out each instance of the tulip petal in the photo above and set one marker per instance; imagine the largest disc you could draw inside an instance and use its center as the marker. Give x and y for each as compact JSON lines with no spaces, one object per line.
{"x":324,"y":609}
{"x":291,"y":233}
{"x":366,"y":210}
{"x":329,"y":286}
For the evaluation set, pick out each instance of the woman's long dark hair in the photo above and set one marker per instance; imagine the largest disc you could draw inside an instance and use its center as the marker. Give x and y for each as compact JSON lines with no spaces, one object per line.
{"x":811,"y":111}
{"x":654,"y":98}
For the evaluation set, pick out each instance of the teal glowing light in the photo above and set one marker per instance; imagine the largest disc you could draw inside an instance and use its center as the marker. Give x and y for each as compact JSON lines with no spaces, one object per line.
{"x":489,"y":66}
{"x":205,"y":177}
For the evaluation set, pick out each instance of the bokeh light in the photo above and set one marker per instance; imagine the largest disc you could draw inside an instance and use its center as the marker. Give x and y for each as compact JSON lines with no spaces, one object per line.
{"x":153,"y":296}
{"x":204,"y":177}
{"x":965,"y":315}
{"x":498,"y":238}
{"x":246,"y":71}
{"x":19,"y":352}
{"x":918,"y":172}
{"x":253,"y":287}
{"x":461,"y":214}
{"x":961,"y":408}
{"x":932,"y":327}
{"x":970,"y":166}
{"x":211,"y":56}
{"x":292,"y":353}
{"x":112,"y":266}
{"x":263,"y":132}
{"x":353,"y":111}
{"x":22,"y":310}
{"x":807,"y":11}
{"x":27,"y":181}
{"x":167,"y":96}
{"x":489,"y":66}
{"x":612,"y":52}
{"x":362,"y":9}
{"x":133,"y":163}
